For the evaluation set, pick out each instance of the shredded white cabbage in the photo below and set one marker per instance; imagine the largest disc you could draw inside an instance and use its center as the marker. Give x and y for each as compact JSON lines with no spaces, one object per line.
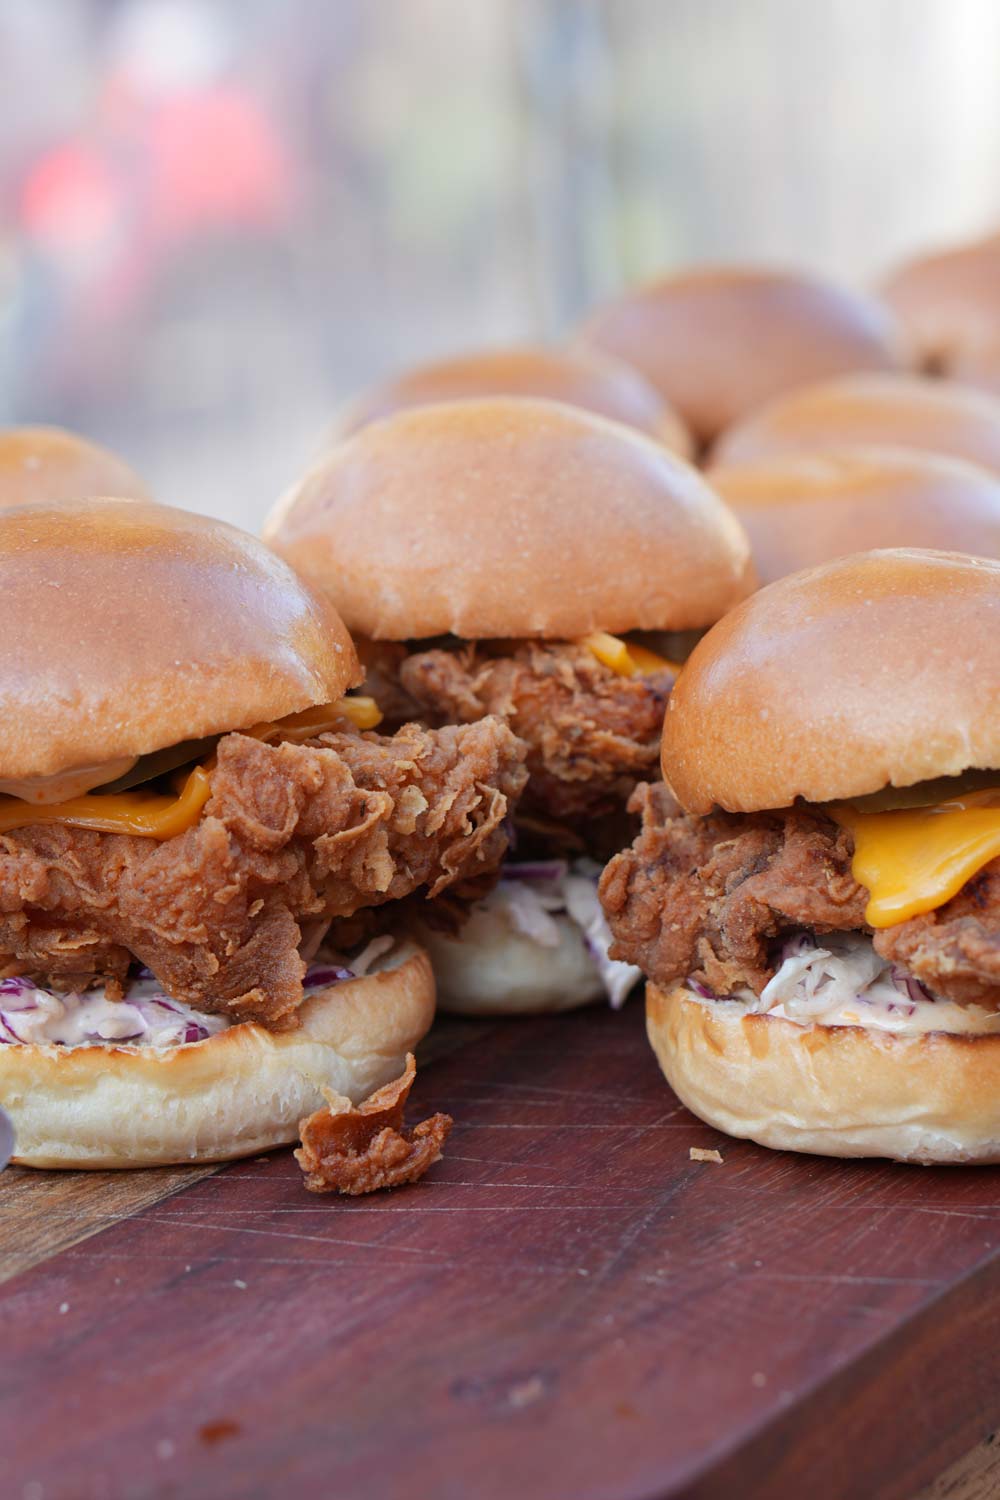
{"x":147,"y":1018}
{"x":531,"y":896}
{"x":839,"y":980}
{"x":529,"y":911}
{"x":584,"y":908}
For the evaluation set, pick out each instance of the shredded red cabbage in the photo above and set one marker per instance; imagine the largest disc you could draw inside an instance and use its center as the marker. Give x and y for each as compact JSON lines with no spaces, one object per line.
{"x":907,"y":985}
{"x":320,"y":978}
{"x":538,"y":869}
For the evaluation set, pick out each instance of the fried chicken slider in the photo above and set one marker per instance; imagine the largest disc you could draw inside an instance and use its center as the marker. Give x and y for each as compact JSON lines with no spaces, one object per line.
{"x":815,"y":893}
{"x":719,"y":341}
{"x":898,"y":411}
{"x":801,"y":509}
{"x":949,"y":303}
{"x":523,"y":559}
{"x":586,"y":378}
{"x":191,"y":811}
{"x":49,"y":464}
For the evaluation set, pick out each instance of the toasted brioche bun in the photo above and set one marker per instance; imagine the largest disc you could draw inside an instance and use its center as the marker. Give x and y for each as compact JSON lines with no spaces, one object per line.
{"x":881,"y":669}
{"x":47,"y":465}
{"x":829,"y":1090}
{"x":804,"y":509}
{"x":511,"y":517}
{"x":949,"y":305}
{"x":979,"y":367}
{"x":904,"y":411}
{"x":131,"y":626}
{"x":239,"y":1092}
{"x":490,"y":970}
{"x":594,"y":382}
{"x":718,"y":342}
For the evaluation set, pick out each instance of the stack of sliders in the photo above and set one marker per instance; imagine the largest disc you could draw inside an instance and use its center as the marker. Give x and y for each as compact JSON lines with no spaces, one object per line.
{"x":523,"y":559}
{"x":815,"y":892}
{"x":193,"y":818}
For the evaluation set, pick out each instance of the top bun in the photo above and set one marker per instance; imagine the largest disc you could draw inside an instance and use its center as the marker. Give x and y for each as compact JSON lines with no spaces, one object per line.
{"x":130,"y":626}
{"x":718,"y":342}
{"x":949,"y":304}
{"x":881,"y":669}
{"x":48,"y":464}
{"x":906,"y":411}
{"x":509,"y":517}
{"x":804,"y":509}
{"x":594,"y":382}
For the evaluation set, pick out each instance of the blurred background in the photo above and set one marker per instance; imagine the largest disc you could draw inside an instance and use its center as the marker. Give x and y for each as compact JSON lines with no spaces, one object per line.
{"x":219,"y":219}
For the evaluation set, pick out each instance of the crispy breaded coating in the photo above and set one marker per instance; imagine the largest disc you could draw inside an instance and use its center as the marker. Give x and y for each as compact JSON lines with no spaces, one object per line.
{"x":360,"y":1150}
{"x":591,"y":734}
{"x":291,"y":833}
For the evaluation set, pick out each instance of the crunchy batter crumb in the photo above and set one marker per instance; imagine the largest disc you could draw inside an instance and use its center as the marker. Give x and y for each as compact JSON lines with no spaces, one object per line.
{"x":359,"y":1149}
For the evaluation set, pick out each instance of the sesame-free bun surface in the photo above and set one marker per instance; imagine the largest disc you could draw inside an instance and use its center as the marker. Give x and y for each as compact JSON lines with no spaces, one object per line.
{"x":804,"y":509}
{"x":241,"y":1091}
{"x":905,"y":411}
{"x":829,"y":1090}
{"x":48,"y":465}
{"x":717,"y":342}
{"x":595,"y":382}
{"x":881,"y":669}
{"x":511,"y":517}
{"x":130,"y":626}
{"x":949,"y":304}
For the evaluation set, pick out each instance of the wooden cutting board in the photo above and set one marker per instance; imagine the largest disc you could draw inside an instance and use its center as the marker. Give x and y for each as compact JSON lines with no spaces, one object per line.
{"x":567,"y":1307}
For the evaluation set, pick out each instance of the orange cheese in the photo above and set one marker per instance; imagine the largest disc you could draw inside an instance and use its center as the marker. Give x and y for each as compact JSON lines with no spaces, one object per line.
{"x":624,"y":657}
{"x":154,"y":815}
{"x":363,"y":713}
{"x":914,"y":859}
{"x":647,"y":661}
{"x":147,"y":814}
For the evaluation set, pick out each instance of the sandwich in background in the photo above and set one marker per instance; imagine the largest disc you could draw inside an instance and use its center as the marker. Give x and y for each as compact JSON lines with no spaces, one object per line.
{"x":585,"y":378}
{"x":949,"y":304}
{"x":49,"y":465}
{"x":522,"y":559}
{"x":898,"y":411}
{"x":803,"y":509}
{"x":719,"y":341}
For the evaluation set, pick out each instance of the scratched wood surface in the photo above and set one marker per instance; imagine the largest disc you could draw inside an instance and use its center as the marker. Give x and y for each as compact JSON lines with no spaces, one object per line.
{"x":569,"y":1306}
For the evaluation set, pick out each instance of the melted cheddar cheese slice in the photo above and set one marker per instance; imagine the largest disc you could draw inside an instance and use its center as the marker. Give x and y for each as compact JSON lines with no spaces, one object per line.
{"x":915,"y":859}
{"x":147,"y":814}
{"x":154,"y":815}
{"x":625,"y":657}
{"x":363,"y":713}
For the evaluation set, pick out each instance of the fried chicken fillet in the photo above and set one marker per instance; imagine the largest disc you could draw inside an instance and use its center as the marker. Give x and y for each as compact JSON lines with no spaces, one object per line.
{"x":290,"y":833}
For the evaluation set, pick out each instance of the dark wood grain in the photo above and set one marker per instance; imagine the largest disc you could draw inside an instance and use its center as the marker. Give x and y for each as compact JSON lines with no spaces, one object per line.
{"x":42,"y":1213}
{"x":567,"y":1307}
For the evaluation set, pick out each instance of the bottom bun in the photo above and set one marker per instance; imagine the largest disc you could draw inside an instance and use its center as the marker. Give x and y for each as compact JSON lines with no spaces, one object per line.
{"x":829,"y":1090}
{"x":490,"y":970}
{"x":241,"y":1091}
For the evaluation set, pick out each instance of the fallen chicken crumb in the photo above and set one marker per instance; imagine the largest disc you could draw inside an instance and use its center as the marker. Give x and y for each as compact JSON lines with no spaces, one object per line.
{"x":699,"y":1153}
{"x":359,"y":1149}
